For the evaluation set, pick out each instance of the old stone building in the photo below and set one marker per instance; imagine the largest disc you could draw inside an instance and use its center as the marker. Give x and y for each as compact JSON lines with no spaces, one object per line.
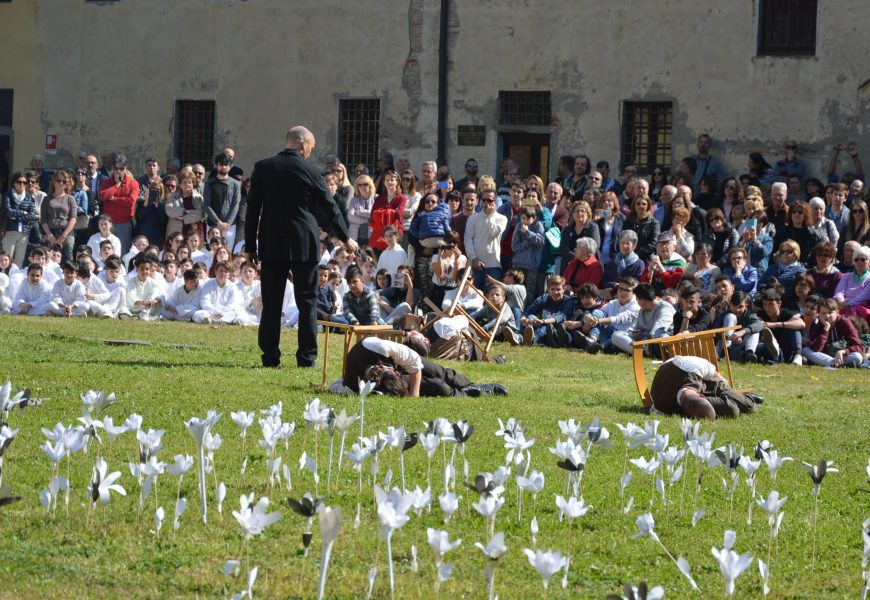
{"x":627,"y":82}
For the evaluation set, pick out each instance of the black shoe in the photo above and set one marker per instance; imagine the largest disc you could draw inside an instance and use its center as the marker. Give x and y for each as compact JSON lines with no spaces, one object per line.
{"x":611,"y":350}
{"x":754,"y":397}
{"x":749,"y":358}
{"x":561,"y":336}
{"x":595,"y":348}
{"x":550,"y":336}
{"x":579,"y":339}
{"x":510,"y":337}
{"x":473,"y":391}
{"x":492,"y":389}
{"x":500,"y":359}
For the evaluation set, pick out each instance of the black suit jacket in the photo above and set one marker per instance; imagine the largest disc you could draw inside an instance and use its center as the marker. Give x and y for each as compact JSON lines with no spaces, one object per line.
{"x":287,"y":202}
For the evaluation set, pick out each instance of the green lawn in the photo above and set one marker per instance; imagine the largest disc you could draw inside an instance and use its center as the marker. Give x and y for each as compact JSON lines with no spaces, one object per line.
{"x":184,"y":370}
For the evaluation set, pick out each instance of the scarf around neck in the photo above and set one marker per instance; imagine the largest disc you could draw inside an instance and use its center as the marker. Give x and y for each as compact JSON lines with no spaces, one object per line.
{"x":624,"y":262}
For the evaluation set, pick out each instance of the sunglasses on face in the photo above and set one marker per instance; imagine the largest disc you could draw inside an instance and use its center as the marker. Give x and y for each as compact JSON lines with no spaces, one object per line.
{"x":20,"y":181}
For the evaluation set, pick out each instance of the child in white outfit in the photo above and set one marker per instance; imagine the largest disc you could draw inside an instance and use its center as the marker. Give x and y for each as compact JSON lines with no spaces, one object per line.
{"x":68,"y":294}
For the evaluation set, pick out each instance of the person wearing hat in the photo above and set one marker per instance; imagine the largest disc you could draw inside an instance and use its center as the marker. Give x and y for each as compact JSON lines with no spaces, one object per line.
{"x":666,"y":267}
{"x":222,"y":197}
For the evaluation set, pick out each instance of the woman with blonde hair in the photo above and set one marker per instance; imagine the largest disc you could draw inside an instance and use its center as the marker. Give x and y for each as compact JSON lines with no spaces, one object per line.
{"x":345,"y":187}
{"x":786,"y":267}
{"x":360,"y":210}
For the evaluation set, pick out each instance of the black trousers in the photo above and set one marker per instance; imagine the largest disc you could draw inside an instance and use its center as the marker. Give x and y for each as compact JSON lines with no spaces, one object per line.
{"x":440,"y":381}
{"x":273,"y":281}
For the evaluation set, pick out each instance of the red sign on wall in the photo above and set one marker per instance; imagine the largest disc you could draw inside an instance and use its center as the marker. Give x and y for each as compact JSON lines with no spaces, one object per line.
{"x":50,"y":144}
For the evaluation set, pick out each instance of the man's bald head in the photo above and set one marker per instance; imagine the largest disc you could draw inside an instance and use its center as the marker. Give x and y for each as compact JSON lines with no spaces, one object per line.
{"x":300,"y":138}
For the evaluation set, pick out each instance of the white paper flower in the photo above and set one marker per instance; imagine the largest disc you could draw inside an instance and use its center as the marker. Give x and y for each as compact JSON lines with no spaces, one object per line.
{"x":254,"y":519}
{"x":731,"y":565}
{"x":546,"y":564}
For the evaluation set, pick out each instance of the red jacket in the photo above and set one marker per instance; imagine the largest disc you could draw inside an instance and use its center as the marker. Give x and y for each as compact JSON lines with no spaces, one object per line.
{"x":589,"y":271}
{"x":386,"y":213}
{"x":119,"y":201}
{"x":841,"y":330}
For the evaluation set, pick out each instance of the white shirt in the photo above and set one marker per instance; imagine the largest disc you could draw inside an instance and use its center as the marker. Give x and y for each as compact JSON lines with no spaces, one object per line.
{"x":391,"y":259}
{"x":34,"y":295}
{"x":215,"y":298}
{"x":94,"y":243}
{"x":62,"y":293}
{"x":400,"y":354}
{"x":483,"y":238}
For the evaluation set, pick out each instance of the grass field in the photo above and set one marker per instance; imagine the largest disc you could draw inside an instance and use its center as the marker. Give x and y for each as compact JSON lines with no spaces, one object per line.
{"x":183,"y":371}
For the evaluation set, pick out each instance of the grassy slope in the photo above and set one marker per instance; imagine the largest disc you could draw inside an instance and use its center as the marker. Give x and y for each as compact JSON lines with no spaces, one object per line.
{"x":809,"y":414}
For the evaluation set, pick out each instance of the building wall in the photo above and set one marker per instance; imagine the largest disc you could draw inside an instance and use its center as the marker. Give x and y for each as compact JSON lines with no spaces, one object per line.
{"x":106,"y":75}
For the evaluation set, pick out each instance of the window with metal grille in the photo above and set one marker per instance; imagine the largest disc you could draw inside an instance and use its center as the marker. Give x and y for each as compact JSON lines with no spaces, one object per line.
{"x":647,"y":134}
{"x":359,"y":130}
{"x":787,"y":27}
{"x":194,"y":131}
{"x":524,"y":108}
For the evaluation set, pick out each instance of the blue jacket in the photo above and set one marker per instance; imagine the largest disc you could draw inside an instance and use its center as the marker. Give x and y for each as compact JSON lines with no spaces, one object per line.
{"x":528,"y":247}
{"x":433,"y":223}
{"x":784,"y":274}
{"x":544,"y":307}
{"x":20,"y":216}
{"x":747,"y":281}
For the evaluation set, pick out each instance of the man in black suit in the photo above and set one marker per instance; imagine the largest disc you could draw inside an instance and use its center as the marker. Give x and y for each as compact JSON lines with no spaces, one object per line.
{"x":287,"y":202}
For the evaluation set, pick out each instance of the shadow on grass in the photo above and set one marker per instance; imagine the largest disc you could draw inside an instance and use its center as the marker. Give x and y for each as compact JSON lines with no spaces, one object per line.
{"x":162,"y":364}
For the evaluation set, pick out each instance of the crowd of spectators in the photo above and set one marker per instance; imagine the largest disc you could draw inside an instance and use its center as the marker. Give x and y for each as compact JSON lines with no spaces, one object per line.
{"x":590,"y":261}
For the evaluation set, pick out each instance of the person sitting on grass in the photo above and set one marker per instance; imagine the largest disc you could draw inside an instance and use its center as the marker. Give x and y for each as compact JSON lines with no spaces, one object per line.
{"x":655,"y":320}
{"x":143,"y":291}
{"x":691,"y":315}
{"x":703,"y":269}
{"x":33,"y":294}
{"x":394,"y":256}
{"x":104,"y":224}
{"x":579,"y":329}
{"x":252,"y":295}
{"x":486,"y":316}
{"x":184,"y":301}
{"x":835,"y":342}
{"x":743,"y":342}
{"x":398,"y":296}
{"x":403,"y":370}
{"x":97,"y":295}
{"x":619,"y":314}
{"x":666,"y":267}
{"x":514,"y":292}
{"x":853,"y":291}
{"x":787,"y":265}
{"x":326,"y":301}
{"x":68,"y":294}
{"x":781,"y":334}
{"x":220,"y":301}
{"x":469,"y":299}
{"x":359,"y":305}
{"x":540,"y":319}
{"x":691,"y":386}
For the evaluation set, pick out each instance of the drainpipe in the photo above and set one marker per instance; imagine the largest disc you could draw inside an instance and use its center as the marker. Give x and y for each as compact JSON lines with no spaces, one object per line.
{"x":442,"y":82}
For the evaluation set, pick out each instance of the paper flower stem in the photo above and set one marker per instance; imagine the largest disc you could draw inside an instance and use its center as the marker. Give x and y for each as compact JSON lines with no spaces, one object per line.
{"x":402,"y":468}
{"x":340,"y":453}
{"x":390,"y":562}
{"x":203,"y":499}
{"x":429,"y":472}
{"x":324,"y":565}
{"x":491,"y":586}
{"x":815,"y":518}
{"x":329,"y":468}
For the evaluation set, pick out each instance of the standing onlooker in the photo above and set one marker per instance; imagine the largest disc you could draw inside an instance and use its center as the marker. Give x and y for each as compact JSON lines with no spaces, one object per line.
{"x":360,"y":210}
{"x":705,"y":163}
{"x":118,"y":196}
{"x":483,"y":232}
{"x":184,"y":208}
{"x":19,"y":208}
{"x":151,"y":212}
{"x":222,"y":197}
{"x":58,"y":214}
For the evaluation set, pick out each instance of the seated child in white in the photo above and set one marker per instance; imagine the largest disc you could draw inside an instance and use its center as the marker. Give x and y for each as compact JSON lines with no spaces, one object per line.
{"x":221,"y":300}
{"x":68,"y":294}
{"x":104,"y":234}
{"x":249,"y":286}
{"x":143,"y":291}
{"x":33,"y":294}
{"x":185,"y":300}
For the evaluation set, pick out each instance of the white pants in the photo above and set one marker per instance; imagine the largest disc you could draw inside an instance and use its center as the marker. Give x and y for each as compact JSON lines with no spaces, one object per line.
{"x":623,"y":341}
{"x":749,"y":343}
{"x":290,"y":317}
{"x":79,"y":309}
{"x":228,"y":317}
{"x":248,"y":317}
{"x":183,"y":312}
{"x":37,"y":310}
{"x":145,"y":313}
{"x":5,"y":305}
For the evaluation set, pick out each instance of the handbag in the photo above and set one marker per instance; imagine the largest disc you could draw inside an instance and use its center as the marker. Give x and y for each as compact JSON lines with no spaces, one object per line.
{"x":554,"y":237}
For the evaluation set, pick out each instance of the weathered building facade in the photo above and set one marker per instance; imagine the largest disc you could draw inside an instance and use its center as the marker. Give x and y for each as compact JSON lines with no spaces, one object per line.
{"x":625,"y":82}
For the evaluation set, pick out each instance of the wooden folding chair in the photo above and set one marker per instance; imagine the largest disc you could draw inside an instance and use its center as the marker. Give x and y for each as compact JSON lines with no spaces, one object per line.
{"x":353,"y":334}
{"x":481,"y":338}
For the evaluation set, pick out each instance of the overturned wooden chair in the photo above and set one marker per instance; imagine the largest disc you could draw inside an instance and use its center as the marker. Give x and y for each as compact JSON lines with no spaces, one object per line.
{"x":481,"y":338}
{"x":353,"y":334}
{"x":701,"y":343}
